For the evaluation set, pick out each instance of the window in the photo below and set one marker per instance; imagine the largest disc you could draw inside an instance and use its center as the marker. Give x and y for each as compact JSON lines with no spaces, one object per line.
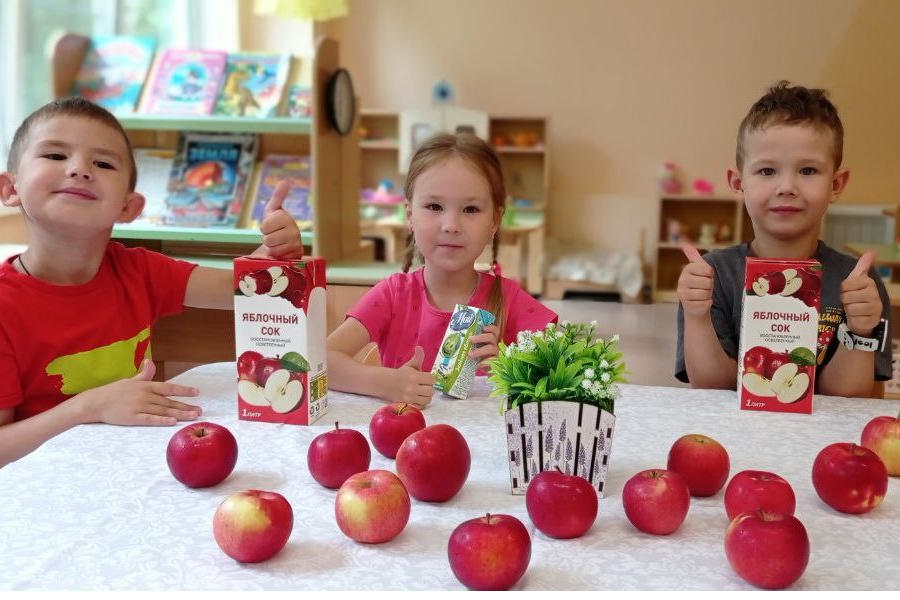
{"x":28,"y":29}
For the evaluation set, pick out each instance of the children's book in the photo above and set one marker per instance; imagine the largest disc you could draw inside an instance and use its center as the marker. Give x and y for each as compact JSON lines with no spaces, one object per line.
{"x":209,"y":179}
{"x":298,"y":203}
{"x":154,"y":165}
{"x":113,"y":71}
{"x":184,"y":82}
{"x":254,"y":84}
{"x":298,"y":101}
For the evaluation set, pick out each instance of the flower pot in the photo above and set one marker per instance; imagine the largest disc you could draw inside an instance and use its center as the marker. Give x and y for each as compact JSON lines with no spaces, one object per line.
{"x":572,"y":436}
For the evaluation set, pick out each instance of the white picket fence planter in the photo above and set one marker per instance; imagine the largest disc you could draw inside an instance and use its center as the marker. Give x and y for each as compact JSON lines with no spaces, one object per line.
{"x":575,"y":437}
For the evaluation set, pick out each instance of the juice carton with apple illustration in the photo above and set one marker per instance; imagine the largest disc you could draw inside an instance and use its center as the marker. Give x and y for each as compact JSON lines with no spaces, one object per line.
{"x":279,"y":327}
{"x":453,"y":369}
{"x":779,"y":329}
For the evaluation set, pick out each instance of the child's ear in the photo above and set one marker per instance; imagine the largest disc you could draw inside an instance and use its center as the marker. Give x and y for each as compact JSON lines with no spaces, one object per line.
{"x":735,"y":181}
{"x":8,"y":195}
{"x":134,"y":204}
{"x":839,"y":182}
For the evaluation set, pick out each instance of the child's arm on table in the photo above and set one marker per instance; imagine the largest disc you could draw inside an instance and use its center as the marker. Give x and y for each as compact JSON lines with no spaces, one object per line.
{"x":851,"y":372}
{"x":404,"y":384}
{"x":706,"y":363}
{"x":213,"y":288}
{"x":134,"y":401}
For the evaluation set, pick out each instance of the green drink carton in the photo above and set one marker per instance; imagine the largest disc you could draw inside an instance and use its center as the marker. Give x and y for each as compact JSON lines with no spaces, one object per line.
{"x":453,"y":369}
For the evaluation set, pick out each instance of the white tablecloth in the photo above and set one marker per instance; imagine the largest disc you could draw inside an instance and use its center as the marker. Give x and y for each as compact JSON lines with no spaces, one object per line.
{"x":96,"y":507}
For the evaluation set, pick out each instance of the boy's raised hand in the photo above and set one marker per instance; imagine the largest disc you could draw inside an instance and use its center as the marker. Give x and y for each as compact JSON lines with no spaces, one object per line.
{"x":695,"y":284}
{"x":281,"y":237}
{"x":413,"y":385}
{"x":859,"y":295}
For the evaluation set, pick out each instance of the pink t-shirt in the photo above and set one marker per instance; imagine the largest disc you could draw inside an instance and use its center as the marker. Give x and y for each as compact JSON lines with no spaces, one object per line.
{"x":399,"y":317}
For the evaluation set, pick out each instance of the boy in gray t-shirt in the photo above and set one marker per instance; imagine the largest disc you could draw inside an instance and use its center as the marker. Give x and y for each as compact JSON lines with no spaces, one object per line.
{"x":788,"y":170}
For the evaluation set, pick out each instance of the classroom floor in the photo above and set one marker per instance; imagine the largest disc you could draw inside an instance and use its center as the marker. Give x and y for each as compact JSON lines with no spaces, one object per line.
{"x":646,"y":334}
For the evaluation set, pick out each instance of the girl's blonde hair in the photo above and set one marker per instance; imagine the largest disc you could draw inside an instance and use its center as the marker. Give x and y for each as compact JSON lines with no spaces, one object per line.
{"x":477,"y":153}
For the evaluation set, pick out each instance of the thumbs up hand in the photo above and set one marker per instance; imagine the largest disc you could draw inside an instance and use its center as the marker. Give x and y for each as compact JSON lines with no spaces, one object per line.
{"x":859,"y":295}
{"x":695,"y":284}
{"x":412,"y":384}
{"x":280,"y":235}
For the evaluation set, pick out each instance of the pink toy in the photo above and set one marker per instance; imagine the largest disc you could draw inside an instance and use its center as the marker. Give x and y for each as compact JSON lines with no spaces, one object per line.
{"x":703,"y":186}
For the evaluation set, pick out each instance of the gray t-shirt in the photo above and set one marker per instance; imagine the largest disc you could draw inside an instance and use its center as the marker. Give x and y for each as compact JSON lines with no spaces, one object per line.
{"x":728,"y":288}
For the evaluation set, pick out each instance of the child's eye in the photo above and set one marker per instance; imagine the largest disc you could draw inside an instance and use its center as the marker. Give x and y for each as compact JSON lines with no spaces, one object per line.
{"x":808,"y":171}
{"x":104,"y":165}
{"x":434,"y":206}
{"x":472,"y":209}
{"x":54,"y":156}
{"x":767,"y":171}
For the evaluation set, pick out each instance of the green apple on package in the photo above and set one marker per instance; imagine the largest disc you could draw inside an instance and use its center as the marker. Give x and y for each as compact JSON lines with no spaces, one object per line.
{"x":453,"y":369}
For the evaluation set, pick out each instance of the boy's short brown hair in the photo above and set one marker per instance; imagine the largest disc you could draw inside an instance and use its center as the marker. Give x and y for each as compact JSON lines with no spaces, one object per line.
{"x":72,"y":106}
{"x":786,"y":104}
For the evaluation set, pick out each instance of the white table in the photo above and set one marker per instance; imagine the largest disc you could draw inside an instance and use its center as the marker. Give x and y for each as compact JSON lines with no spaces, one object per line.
{"x":96,"y":507}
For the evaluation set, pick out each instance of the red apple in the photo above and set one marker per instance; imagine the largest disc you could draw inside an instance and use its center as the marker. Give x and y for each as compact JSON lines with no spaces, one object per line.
{"x":702,"y":461}
{"x":776,"y":359}
{"x":758,"y":490}
{"x":560,"y":505}
{"x":756,"y":359}
{"x":372,"y":507}
{"x":656,"y":501}
{"x":201,"y":454}
{"x":253,"y":525}
{"x":849,"y":478}
{"x":247,"y":364}
{"x":393,"y":423}
{"x":490,"y":552}
{"x":335,"y":455}
{"x":433,"y":463}
{"x":768,"y":549}
{"x":882,"y":436}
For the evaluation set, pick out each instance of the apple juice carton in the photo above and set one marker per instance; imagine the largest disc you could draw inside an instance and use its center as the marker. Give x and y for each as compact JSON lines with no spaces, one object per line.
{"x":779,"y":330}
{"x":279,"y":328}
{"x":453,"y":369}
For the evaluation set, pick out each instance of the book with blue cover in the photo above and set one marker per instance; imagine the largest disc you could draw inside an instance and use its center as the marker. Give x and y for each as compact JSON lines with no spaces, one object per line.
{"x":184,"y":82}
{"x":113,"y":71}
{"x":254,"y":84}
{"x":209,"y":179}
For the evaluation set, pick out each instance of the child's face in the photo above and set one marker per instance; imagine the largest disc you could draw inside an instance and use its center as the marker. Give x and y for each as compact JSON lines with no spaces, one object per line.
{"x":787,"y":181}
{"x":451,"y":215}
{"x":74,"y":172}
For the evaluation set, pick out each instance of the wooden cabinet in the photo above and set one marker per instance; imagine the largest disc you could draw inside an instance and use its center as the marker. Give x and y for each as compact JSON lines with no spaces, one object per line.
{"x":521,"y":144}
{"x":335,"y":163}
{"x":708,"y":222}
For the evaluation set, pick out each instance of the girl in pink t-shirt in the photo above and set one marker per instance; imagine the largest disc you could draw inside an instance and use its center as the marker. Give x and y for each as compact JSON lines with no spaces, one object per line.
{"x":454,"y":202}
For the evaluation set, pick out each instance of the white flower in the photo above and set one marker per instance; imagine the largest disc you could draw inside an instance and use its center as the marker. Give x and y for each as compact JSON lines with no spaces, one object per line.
{"x":605,"y":377}
{"x":589,"y":373}
{"x":565,"y":323}
{"x":604,"y":364}
{"x":614,"y":338}
{"x":586,"y":384}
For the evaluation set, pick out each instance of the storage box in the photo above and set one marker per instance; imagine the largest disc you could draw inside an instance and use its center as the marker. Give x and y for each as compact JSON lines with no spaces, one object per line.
{"x":453,"y":369}
{"x":279,"y":327}
{"x":779,"y":329}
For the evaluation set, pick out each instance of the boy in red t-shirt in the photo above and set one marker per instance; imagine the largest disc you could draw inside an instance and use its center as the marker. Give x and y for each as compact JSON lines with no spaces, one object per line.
{"x":76,"y":309}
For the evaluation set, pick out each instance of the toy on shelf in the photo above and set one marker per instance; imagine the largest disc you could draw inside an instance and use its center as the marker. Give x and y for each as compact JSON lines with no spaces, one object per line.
{"x":668,"y":178}
{"x":383,"y":194}
{"x":673,"y":230}
{"x":704,"y":187}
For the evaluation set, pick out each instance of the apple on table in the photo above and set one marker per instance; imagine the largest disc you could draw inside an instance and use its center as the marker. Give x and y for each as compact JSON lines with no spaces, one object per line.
{"x":253,"y":525}
{"x":434,"y":462}
{"x":849,"y":478}
{"x":335,"y":455}
{"x":882,"y":436}
{"x":561,"y":505}
{"x":372,"y":507}
{"x":767,"y":549}
{"x":202,"y":454}
{"x":758,"y":490}
{"x":391,"y":424}
{"x":490,"y":553}
{"x":701,"y":461}
{"x":656,"y":501}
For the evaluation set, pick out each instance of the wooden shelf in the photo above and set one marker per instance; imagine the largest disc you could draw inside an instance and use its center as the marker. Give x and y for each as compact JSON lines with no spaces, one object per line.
{"x":281,"y":125}
{"x":195,"y":234}
{"x":379,"y":145}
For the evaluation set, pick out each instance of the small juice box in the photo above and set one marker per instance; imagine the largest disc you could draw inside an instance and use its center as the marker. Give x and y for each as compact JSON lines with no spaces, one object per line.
{"x":279,"y":328}
{"x":779,"y":329}
{"x":453,"y":369}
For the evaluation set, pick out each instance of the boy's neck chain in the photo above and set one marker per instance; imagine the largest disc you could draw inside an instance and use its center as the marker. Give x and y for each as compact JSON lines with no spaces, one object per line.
{"x":24,"y":268}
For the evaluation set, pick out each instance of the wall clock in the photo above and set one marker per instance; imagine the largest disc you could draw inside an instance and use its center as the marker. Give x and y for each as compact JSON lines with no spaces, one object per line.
{"x":340,"y":102}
